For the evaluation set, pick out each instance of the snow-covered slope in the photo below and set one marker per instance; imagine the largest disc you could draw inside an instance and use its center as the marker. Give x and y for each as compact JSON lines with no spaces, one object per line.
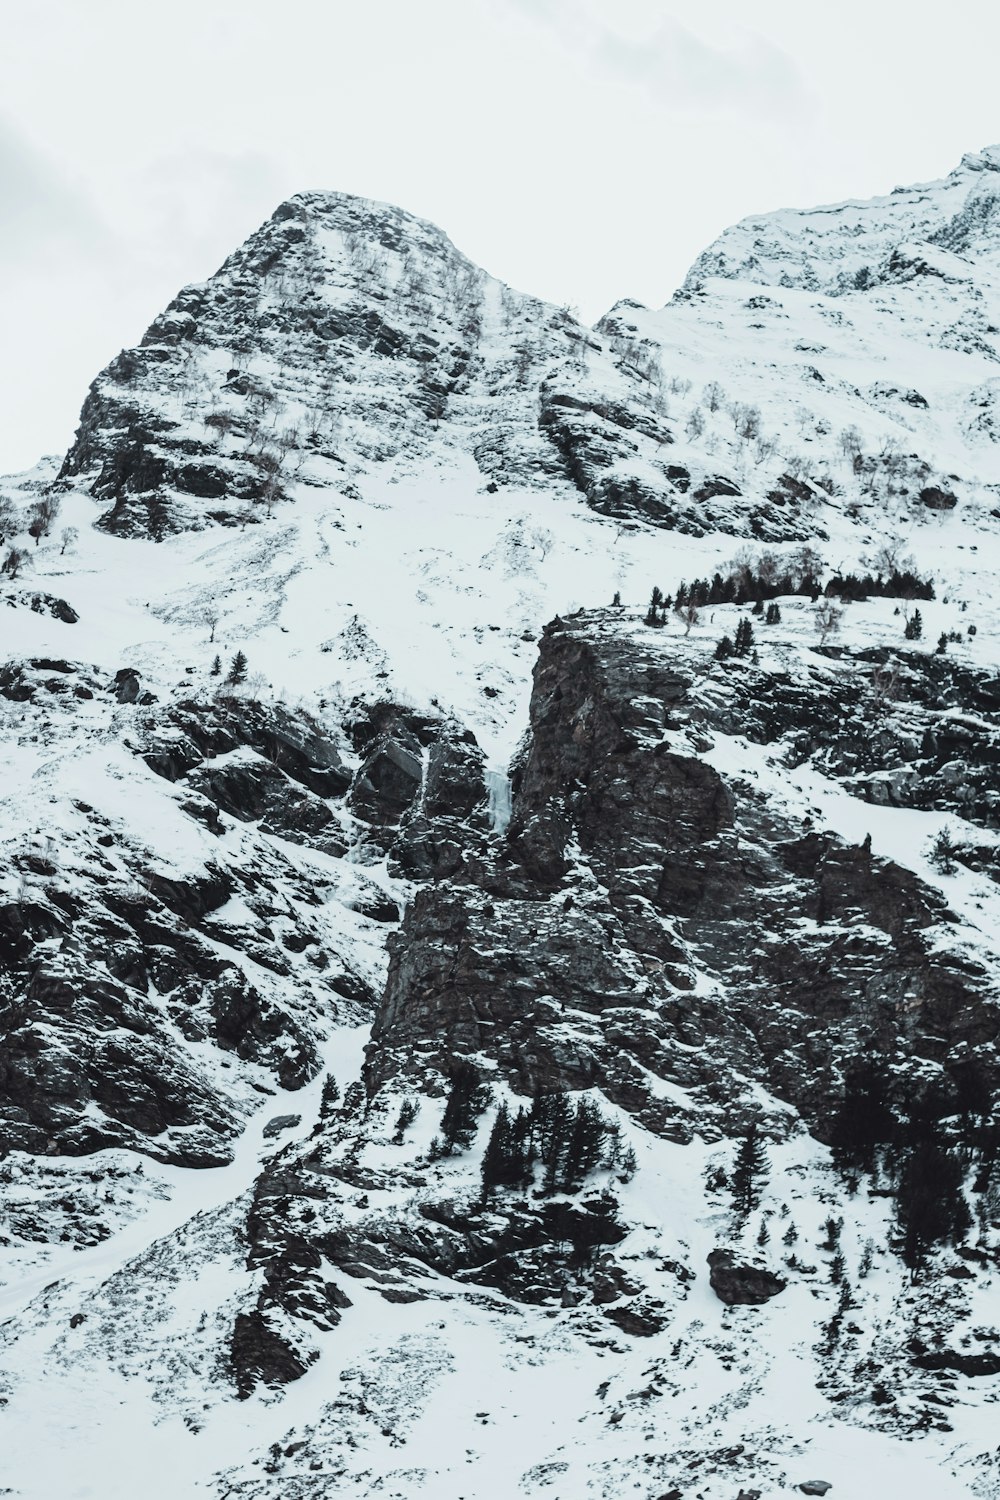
{"x":694,"y":891}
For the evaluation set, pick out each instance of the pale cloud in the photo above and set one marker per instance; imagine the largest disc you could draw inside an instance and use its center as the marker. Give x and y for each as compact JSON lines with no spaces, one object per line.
{"x":642,"y":46}
{"x":679,"y":68}
{"x":39,"y":206}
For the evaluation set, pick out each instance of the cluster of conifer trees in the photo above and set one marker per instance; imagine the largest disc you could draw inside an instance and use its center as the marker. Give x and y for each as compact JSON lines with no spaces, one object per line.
{"x":566,"y":1141}
{"x":749,"y":584}
{"x":744,"y":585}
{"x":897,"y":585}
{"x":924,"y":1144}
{"x":741,"y":646}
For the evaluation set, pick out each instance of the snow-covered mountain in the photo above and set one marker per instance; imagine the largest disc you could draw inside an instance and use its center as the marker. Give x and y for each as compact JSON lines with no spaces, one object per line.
{"x":328,"y":756}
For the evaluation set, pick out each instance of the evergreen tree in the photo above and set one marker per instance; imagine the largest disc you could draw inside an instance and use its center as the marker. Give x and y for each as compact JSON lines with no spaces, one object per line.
{"x":616,"y":602}
{"x":653,"y":615}
{"x":930,"y":1203}
{"x":750,"y":1172}
{"x":628,"y":1165}
{"x":914,"y":626}
{"x":583,"y":1148}
{"x":744,"y":637}
{"x":329,"y":1097}
{"x":468,"y":1096}
{"x":506,"y":1160}
{"x":497,"y":1153}
{"x":864,"y":1120}
{"x":943,"y":850}
{"x":237,"y":669}
{"x":551,"y":1121}
{"x":724,"y":649}
{"x":217,"y":666}
{"x":408,"y":1111}
{"x":355,"y":1098}
{"x":773,"y":616}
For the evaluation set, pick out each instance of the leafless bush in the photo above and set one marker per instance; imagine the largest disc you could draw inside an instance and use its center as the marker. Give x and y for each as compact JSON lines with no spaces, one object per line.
{"x":695,"y":424}
{"x":42,"y":516}
{"x":826,"y":619}
{"x":16,"y":560}
{"x":746,"y":421}
{"x":851,"y":444}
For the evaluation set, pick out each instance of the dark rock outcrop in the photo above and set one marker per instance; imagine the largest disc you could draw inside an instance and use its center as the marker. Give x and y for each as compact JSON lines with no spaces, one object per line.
{"x":965,"y":1362}
{"x":648,"y":915}
{"x":736,"y":1281}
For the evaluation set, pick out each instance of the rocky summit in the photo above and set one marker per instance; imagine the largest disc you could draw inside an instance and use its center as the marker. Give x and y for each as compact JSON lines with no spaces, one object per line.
{"x":499,"y":985}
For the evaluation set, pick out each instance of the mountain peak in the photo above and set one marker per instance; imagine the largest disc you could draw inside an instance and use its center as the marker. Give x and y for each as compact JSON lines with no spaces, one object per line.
{"x":842,"y":246}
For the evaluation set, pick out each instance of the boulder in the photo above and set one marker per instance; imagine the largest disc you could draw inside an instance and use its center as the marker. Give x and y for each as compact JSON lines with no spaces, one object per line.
{"x":738,"y":1281}
{"x":126,"y":687}
{"x":938,"y":499}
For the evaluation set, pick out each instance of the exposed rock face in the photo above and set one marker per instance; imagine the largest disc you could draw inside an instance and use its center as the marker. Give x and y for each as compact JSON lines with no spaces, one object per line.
{"x":899,"y":728}
{"x":269,"y":1343}
{"x":966,"y":1362}
{"x":735,"y":1282}
{"x":114,"y":985}
{"x":332,"y":282}
{"x":651,"y":915}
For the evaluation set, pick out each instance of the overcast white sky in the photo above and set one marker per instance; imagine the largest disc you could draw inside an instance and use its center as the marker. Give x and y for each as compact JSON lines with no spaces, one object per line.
{"x":583,"y":150}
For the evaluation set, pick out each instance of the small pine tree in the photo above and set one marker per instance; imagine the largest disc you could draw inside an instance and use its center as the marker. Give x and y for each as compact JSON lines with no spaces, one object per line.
{"x":832,"y":1227}
{"x":914,"y":627}
{"x":750,"y":1172}
{"x":628,"y":1165}
{"x":237,"y":669}
{"x":329,"y":1097}
{"x":653,"y":613}
{"x":724,"y":649}
{"x":943,"y":851}
{"x":468,"y":1096}
{"x":773,"y":616}
{"x":408,"y":1111}
{"x":744,"y":641}
{"x":217,"y":666}
{"x":616,"y":602}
